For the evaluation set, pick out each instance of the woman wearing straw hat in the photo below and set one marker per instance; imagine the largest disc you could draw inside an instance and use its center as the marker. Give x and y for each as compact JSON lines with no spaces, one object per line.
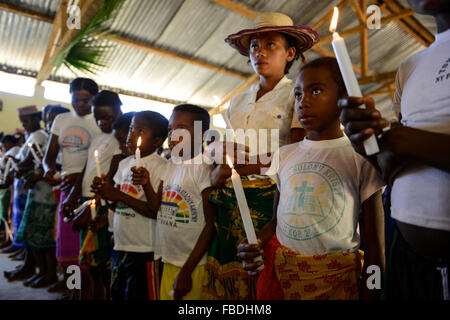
{"x":272,"y":46}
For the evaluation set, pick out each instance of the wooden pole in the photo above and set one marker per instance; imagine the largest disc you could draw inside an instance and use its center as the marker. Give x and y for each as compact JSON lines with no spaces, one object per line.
{"x":364,"y":44}
{"x":26,"y":13}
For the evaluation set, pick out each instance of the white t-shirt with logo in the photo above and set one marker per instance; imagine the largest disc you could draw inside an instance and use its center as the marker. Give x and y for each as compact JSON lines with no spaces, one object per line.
{"x":322,"y":185}
{"x":75,"y":135}
{"x":132,"y":231}
{"x":420,"y":194}
{"x":39,"y":137}
{"x":107,"y":146}
{"x":181,"y":218}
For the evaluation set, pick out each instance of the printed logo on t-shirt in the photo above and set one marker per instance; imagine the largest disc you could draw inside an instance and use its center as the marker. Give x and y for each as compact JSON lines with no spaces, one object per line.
{"x":129,"y":189}
{"x":443,"y":73}
{"x":315,"y":202}
{"x":75,"y":139}
{"x":177,"y":207}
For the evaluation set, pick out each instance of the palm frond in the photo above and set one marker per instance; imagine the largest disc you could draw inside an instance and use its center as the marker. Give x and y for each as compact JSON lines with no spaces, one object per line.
{"x":86,"y":52}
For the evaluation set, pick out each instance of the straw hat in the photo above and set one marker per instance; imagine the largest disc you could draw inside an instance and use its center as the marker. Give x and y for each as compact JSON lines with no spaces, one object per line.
{"x":273,"y":22}
{"x":28,"y":110}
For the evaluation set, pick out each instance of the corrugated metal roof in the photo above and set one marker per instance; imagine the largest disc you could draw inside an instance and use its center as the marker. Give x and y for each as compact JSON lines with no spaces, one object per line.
{"x":194,"y":28}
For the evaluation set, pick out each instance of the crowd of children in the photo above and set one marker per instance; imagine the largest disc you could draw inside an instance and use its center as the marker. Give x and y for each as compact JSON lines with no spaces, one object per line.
{"x":93,"y":189}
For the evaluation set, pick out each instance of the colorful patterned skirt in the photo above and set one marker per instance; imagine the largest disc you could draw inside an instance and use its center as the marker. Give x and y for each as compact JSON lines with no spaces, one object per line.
{"x":288,"y":275}
{"x":20,"y":199}
{"x":67,"y":241}
{"x":5,"y":200}
{"x":37,"y":225}
{"x":225,"y":278}
{"x":95,"y":247}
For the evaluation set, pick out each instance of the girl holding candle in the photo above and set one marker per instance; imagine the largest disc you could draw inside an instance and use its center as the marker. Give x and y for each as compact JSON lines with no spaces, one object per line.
{"x":184,"y":214}
{"x":272,"y":46}
{"x":135,"y":272}
{"x":103,"y":159}
{"x":311,"y":245}
{"x":72,"y":134}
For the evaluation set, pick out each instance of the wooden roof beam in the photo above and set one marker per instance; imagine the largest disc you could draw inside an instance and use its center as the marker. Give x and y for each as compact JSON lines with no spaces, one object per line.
{"x":26,"y":13}
{"x":392,"y":17}
{"x":88,"y":9}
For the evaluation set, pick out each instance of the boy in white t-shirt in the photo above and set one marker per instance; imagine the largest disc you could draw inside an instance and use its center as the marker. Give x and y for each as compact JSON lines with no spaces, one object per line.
{"x":95,"y":238}
{"x":135,"y":272}
{"x":185,"y":216}
{"x":322,"y":185}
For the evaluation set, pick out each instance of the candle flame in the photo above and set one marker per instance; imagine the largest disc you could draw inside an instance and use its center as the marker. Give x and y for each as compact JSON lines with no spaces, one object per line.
{"x":30,"y":145}
{"x":334,"y":20}
{"x":92,"y":202}
{"x":139,"y":142}
{"x":96,"y":153}
{"x":230,"y":164}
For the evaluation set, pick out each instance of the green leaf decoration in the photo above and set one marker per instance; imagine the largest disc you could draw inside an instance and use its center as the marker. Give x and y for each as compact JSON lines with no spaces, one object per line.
{"x":86,"y":52}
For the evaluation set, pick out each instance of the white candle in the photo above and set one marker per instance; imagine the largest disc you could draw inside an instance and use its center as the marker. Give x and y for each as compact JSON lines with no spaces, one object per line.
{"x":5,"y":173}
{"x":93,"y":209}
{"x":39,"y":149}
{"x":243,"y":208}
{"x":351,"y":83}
{"x":35,"y":156}
{"x":97,"y":164}
{"x":78,"y":210}
{"x":224,"y":115}
{"x":138,"y":153}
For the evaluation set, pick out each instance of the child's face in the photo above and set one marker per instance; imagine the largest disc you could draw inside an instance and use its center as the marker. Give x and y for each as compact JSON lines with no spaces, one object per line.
{"x":105,"y":118}
{"x":269,"y":54}
{"x":140,"y":128}
{"x":181,"y":120}
{"x":82,"y":102}
{"x":30,"y":123}
{"x":121,"y":136}
{"x":316,"y":97}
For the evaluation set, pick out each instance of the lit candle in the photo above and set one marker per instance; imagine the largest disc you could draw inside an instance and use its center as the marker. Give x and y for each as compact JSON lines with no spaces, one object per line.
{"x":93,"y":209}
{"x":39,"y":149}
{"x":5,"y":173}
{"x":35,"y":156}
{"x":78,"y":210}
{"x":138,"y":153}
{"x":97,"y":164}
{"x":346,"y":67}
{"x":243,"y":208}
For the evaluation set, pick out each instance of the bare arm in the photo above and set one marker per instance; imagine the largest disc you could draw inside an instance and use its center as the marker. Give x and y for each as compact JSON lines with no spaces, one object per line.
{"x":374,"y":251}
{"x":183,"y":282}
{"x":49,"y":161}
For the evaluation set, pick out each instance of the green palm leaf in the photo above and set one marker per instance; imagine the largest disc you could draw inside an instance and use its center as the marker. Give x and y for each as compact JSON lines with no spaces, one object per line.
{"x":86,"y":53}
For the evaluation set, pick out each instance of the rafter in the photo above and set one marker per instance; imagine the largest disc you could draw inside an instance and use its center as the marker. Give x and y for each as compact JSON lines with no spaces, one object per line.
{"x":88,"y":8}
{"x":55,"y":34}
{"x":392,"y":17}
{"x":410,"y":24}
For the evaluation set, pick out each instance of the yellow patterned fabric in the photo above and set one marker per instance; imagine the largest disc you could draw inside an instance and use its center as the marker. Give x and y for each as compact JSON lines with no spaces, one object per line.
{"x":319,"y":277}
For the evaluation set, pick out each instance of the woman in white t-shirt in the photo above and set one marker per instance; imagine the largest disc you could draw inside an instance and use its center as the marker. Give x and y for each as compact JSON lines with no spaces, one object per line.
{"x":72,"y":134}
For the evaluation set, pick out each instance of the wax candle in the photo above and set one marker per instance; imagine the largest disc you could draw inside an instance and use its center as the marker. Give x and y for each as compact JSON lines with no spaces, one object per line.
{"x":5,"y":173}
{"x":35,"y":156}
{"x":97,"y":164}
{"x":346,"y":67}
{"x":138,"y":153}
{"x":225,"y":117}
{"x":93,"y":209}
{"x":39,"y":149}
{"x":78,"y":210}
{"x":243,"y":208}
